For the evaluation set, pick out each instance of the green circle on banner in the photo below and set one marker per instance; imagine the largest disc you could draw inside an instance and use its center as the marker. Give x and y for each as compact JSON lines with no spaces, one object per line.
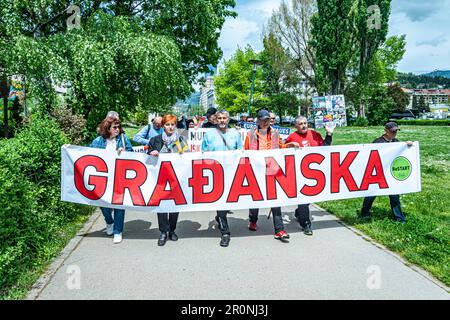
{"x":401,"y":168}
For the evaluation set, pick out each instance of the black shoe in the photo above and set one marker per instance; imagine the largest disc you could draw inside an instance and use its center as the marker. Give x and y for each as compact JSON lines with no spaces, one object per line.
{"x":173,"y":236}
{"x":225,"y":240}
{"x":162,"y":239}
{"x":307,"y":230}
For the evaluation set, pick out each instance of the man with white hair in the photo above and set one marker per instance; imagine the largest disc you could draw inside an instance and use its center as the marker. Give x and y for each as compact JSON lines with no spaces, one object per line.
{"x":308,"y":138}
{"x":151,"y":130}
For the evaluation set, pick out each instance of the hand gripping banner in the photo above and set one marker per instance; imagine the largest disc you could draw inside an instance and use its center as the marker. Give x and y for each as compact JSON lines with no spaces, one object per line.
{"x":237,"y":179}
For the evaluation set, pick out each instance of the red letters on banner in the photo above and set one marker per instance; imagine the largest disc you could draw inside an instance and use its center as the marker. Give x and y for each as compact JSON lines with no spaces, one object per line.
{"x":379,"y":178}
{"x":168,"y":187}
{"x":133,"y":185}
{"x":244,"y":170}
{"x":341,"y":170}
{"x":167,"y":176}
{"x":313,"y":174}
{"x":199,"y":181}
{"x":98,"y":182}
{"x":286,"y":180}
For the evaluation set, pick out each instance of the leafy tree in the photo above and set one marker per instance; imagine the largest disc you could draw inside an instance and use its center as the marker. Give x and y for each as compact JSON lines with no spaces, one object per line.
{"x":380,"y":106}
{"x":128,"y":53}
{"x":280,"y":77}
{"x":400,"y":98}
{"x":372,"y":28}
{"x":234,"y":81}
{"x":291,"y":25}
{"x":422,"y":105}
{"x":194,"y":25}
{"x":334,"y":38}
{"x":114,"y":64}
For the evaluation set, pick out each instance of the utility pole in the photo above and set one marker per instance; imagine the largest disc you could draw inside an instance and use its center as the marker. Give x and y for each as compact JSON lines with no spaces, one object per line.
{"x":255,"y":64}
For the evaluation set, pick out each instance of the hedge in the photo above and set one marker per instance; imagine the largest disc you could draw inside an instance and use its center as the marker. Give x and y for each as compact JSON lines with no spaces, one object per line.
{"x":32,"y":217}
{"x":420,"y":122}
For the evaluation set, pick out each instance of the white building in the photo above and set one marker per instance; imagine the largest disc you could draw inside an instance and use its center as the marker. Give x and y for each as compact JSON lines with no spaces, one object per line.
{"x":207,"y":94}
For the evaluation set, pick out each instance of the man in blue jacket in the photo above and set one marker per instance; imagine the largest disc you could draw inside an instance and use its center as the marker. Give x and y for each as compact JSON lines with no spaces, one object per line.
{"x":151,"y":130}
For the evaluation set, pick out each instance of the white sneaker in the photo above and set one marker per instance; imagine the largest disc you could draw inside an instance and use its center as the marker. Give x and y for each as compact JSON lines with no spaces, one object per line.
{"x":109,"y":229}
{"x":117,"y":238}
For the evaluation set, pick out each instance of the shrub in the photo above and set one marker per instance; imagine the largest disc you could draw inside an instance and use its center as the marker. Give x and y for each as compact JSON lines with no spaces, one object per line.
{"x":32,"y":217}
{"x":361,"y":122}
{"x":73,"y":125}
{"x":419,"y":122}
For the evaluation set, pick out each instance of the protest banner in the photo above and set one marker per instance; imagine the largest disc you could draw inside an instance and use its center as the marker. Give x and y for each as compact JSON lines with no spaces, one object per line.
{"x":237,"y":179}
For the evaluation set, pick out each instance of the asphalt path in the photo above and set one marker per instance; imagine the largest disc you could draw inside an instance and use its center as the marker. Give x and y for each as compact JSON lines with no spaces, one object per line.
{"x":336,"y":262}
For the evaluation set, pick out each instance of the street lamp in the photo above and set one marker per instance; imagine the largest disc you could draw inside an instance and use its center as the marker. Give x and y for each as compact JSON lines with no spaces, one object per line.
{"x":255,"y":63}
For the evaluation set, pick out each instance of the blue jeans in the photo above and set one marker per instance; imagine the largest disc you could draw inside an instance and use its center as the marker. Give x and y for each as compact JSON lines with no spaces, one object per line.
{"x":119,"y":217}
{"x":395,"y":206}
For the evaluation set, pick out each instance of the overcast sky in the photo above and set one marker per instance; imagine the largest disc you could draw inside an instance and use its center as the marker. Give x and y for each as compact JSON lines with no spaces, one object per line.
{"x":426,"y":24}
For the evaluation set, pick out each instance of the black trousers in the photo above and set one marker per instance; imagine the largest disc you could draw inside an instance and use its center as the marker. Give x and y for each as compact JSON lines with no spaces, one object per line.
{"x":221,"y":219}
{"x":394,"y":200}
{"x":278,"y":224}
{"x":302,"y":214}
{"x":167,"y":221}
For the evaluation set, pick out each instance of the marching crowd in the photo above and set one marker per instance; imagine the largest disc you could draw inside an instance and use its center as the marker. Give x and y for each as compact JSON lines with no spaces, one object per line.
{"x":161,"y":136}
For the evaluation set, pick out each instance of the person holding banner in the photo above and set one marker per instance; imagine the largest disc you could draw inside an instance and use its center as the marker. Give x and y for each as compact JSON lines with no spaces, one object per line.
{"x":112,"y":138}
{"x":222,"y":139}
{"x":167,"y":142}
{"x":151,"y":130}
{"x":305,"y":137}
{"x":264,"y":137}
{"x":390,"y":133}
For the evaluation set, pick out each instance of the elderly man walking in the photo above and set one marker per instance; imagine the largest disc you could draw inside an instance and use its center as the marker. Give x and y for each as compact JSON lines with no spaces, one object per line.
{"x":308,"y":138}
{"x":221,"y":139}
{"x":151,"y":130}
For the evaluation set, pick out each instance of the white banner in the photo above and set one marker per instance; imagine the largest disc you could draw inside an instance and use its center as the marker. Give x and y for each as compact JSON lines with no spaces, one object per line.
{"x":237,"y":179}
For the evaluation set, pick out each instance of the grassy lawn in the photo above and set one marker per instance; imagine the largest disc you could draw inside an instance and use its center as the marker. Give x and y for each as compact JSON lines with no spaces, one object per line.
{"x":130,"y":131}
{"x":30,"y":274}
{"x":424,"y":239}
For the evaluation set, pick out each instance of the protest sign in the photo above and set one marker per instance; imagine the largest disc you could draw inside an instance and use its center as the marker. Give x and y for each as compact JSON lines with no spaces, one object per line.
{"x":237,"y":179}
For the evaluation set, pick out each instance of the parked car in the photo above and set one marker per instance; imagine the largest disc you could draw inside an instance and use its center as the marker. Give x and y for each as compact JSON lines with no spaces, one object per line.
{"x":404,"y":115}
{"x":288,"y":121}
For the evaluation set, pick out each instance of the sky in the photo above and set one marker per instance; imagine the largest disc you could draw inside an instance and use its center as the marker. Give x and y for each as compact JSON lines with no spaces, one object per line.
{"x":426,"y":24}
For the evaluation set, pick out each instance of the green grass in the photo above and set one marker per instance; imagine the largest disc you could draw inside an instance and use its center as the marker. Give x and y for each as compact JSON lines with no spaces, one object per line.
{"x":30,"y":274}
{"x":424,"y":239}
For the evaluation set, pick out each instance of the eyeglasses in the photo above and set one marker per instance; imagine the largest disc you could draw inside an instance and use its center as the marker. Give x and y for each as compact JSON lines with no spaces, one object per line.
{"x":272,"y":118}
{"x":115,"y":127}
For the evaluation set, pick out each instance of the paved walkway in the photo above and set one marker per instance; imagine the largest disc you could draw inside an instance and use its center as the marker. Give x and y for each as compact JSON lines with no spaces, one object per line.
{"x":334,"y":263}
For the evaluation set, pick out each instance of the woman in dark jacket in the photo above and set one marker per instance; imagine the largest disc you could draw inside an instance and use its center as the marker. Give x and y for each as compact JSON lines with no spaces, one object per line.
{"x":167,"y":142}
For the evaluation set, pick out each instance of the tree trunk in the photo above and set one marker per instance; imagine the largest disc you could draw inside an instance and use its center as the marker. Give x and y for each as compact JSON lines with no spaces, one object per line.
{"x":362,"y":109}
